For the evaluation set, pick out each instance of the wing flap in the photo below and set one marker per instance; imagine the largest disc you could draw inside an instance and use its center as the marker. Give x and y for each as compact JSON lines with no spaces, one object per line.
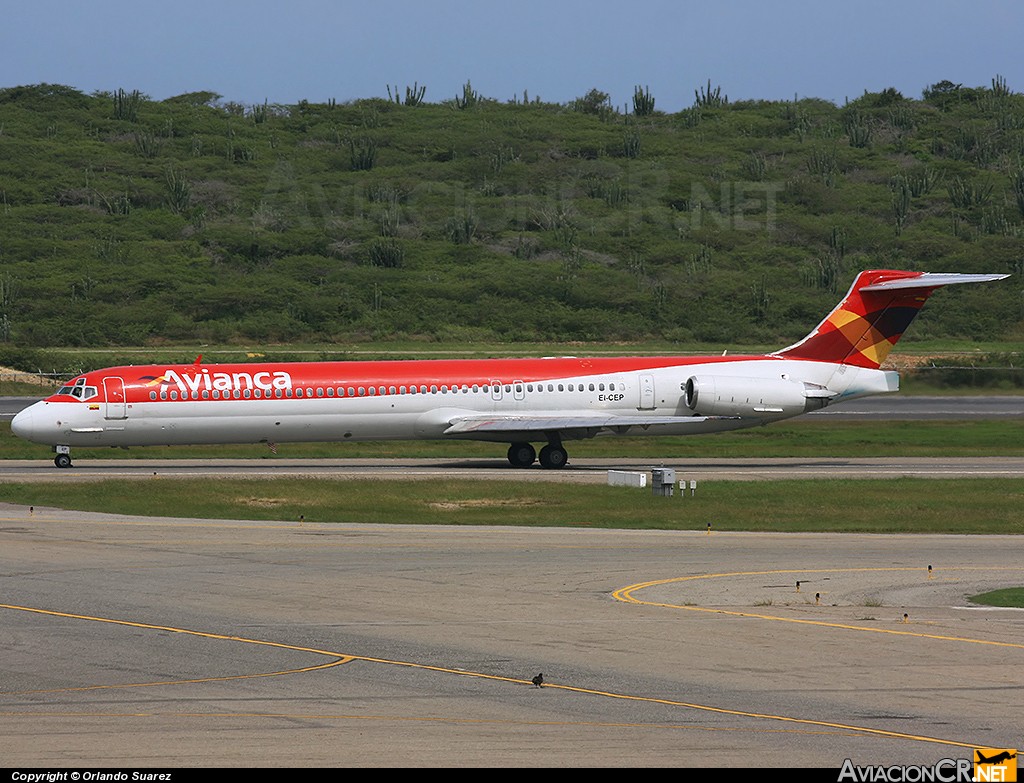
{"x":467,"y":424}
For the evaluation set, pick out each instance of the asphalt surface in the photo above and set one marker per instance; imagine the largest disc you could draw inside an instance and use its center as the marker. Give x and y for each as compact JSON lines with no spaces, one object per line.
{"x":578,"y":471}
{"x":180,"y":642}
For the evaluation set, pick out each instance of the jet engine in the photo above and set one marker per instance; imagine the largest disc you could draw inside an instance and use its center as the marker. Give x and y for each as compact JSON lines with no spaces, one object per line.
{"x":710,"y":395}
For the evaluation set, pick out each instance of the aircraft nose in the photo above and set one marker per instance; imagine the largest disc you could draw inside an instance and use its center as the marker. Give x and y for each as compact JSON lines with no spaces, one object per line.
{"x":21,"y":424}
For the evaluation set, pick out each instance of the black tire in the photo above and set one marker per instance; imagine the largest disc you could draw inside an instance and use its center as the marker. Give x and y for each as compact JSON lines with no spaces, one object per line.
{"x":62,"y":460}
{"x":553,"y":457}
{"x":521,"y":455}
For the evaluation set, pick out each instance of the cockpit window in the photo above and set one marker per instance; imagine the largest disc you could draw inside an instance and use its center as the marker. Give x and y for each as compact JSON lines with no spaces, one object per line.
{"x":78,"y":389}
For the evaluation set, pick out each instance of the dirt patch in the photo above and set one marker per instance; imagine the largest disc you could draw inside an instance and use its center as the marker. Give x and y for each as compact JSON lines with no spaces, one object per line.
{"x":458,"y":505}
{"x":17,"y":376}
{"x":263,"y":502}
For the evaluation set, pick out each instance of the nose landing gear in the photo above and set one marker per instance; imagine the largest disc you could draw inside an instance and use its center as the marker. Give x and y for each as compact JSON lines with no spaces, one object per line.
{"x":63,"y":458}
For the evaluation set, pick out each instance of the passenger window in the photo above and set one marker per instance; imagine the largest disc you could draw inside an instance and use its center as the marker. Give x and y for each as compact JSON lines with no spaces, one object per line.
{"x":206,"y":394}
{"x":298,"y":392}
{"x":591,"y":387}
{"x":351,"y":391}
{"x":320,"y":391}
{"x":392,"y":390}
{"x":330,"y":391}
{"x":362,"y":391}
{"x":247,"y":394}
{"x":152,"y":395}
{"x":174,"y":395}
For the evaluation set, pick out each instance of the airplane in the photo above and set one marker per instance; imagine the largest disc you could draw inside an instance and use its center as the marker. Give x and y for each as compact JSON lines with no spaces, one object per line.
{"x":516,"y":401}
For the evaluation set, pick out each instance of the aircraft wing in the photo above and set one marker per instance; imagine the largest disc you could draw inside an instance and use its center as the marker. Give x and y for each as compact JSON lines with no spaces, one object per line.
{"x":527,"y":423}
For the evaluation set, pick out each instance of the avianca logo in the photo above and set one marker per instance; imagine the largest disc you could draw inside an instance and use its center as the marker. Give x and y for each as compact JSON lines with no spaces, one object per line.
{"x":225,"y":381}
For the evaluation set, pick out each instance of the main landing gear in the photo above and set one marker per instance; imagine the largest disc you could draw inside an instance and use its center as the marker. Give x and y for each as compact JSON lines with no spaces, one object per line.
{"x":63,"y":458}
{"x":552,"y":456}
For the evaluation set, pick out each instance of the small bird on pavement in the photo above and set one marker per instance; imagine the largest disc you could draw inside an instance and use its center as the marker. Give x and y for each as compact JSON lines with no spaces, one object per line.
{"x":538,"y":681}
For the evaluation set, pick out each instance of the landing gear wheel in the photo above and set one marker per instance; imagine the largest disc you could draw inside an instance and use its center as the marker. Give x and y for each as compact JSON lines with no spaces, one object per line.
{"x":521,"y":455}
{"x":553,"y":457}
{"x":62,"y":460}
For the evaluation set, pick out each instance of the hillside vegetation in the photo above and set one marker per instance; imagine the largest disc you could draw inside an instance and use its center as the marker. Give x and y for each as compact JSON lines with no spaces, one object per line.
{"x":129,"y":221}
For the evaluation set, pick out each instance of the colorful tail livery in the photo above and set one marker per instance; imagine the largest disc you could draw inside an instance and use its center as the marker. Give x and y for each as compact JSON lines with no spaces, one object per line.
{"x":515,"y":401}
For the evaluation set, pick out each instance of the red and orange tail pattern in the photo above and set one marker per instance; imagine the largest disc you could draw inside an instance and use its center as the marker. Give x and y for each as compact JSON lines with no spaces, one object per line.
{"x":864,"y":327}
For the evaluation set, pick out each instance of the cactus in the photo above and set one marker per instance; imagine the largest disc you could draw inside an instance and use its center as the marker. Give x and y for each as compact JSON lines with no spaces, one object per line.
{"x":126,"y":105}
{"x":386,"y":252}
{"x":700,"y":262}
{"x":994,"y":221}
{"x":999,"y":88}
{"x":1018,"y":190}
{"x":259,"y":113}
{"x":965,"y":194}
{"x":643,"y":102}
{"x":631,"y":144}
{"x":462,"y":228}
{"x":823,"y":163}
{"x":690,"y":118}
{"x":825,"y":273}
{"x":760,"y":300}
{"x":413,"y":95}
{"x":179,"y":193}
{"x":755,"y":166}
{"x":858,"y":129}
{"x":146,"y":143}
{"x":921,"y":181}
{"x":363,"y":153}
{"x":837,"y":242}
{"x":711,"y":99}
{"x":469,"y":97}
{"x":900,"y":202}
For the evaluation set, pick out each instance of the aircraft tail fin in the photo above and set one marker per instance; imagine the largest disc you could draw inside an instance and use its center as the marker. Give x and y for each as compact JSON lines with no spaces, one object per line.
{"x":871,"y":318}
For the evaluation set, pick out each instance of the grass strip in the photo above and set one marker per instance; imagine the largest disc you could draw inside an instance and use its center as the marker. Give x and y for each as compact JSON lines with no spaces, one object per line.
{"x":898,"y":505}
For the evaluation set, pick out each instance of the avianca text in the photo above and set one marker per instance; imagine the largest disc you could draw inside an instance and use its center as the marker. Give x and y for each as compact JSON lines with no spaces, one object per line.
{"x":225,"y":381}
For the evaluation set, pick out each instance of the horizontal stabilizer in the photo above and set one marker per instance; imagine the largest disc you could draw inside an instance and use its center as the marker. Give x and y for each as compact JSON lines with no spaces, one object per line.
{"x":931,"y":280}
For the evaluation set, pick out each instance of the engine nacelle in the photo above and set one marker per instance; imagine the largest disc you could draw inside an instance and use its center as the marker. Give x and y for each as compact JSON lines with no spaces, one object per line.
{"x":711,"y":395}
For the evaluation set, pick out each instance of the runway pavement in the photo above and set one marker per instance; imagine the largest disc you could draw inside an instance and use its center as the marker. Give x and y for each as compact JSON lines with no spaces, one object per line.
{"x":184,"y":642}
{"x":578,"y":471}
